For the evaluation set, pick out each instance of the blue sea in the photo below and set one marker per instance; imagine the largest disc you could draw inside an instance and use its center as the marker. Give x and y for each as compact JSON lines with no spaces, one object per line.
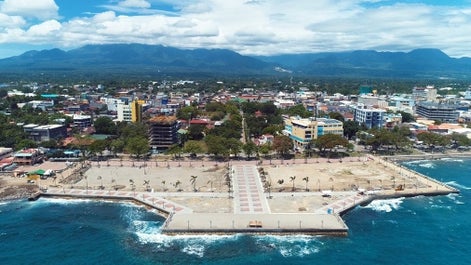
{"x":420,"y":230}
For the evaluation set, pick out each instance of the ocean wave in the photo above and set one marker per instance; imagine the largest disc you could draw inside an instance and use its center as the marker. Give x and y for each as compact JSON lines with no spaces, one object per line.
{"x":427,"y":165}
{"x":457,"y":185}
{"x":450,"y":159}
{"x":385,"y":205}
{"x":195,"y":250}
{"x":63,"y":201}
{"x":454,"y":197}
{"x":415,"y":162}
{"x":290,"y":246}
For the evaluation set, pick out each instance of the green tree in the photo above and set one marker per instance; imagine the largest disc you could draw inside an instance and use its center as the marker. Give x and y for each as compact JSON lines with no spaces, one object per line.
{"x":26,"y":143}
{"x":406,"y":117}
{"x":105,"y":125}
{"x":137,"y":146}
{"x":174,"y":150}
{"x":350,"y":128}
{"x":187,"y":113}
{"x":299,"y":110}
{"x":194,"y":147}
{"x":98,"y":146}
{"x":216,"y":145}
{"x":330,"y":141}
{"x":265,"y":149}
{"x":195,"y":132}
{"x":233,"y":145}
{"x":460,"y":139}
{"x":282,"y":144}
{"x":337,"y":116}
{"x":117,"y":145}
{"x":249,"y":148}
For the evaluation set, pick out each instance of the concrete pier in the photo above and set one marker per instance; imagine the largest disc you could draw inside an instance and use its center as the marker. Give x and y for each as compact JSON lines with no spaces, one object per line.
{"x":250,"y":211}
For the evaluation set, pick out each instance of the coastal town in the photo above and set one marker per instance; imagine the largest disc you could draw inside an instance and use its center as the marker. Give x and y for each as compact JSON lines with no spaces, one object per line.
{"x":248,"y":161}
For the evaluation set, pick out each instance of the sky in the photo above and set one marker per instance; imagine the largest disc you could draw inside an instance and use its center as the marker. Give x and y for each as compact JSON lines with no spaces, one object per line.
{"x":250,"y":27}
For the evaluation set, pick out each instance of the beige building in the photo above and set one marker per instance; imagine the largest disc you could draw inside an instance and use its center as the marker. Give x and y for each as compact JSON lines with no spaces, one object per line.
{"x":303,"y":130}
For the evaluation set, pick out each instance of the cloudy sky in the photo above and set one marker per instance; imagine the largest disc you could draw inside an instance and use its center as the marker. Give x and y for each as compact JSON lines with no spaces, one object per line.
{"x":250,"y":27}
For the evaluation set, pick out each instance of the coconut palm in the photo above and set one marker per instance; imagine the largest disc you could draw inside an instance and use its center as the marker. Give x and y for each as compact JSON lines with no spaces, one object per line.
{"x":292,"y":178}
{"x":147,"y":184}
{"x":163,"y":184}
{"x":306,"y":179}
{"x":193,"y":182}
{"x":177,"y":185}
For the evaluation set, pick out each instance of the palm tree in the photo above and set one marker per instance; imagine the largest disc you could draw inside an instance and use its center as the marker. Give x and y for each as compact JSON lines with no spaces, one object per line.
{"x":101,"y":186}
{"x":193,"y":182}
{"x":163,"y":184}
{"x":147,"y":184}
{"x":292,"y":180}
{"x":210,"y":182}
{"x":131,"y":182}
{"x":269,"y":189}
{"x":306,"y":179}
{"x":177,"y":185}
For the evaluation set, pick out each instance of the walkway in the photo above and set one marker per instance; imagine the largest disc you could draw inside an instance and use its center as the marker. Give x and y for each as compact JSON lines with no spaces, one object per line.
{"x":342,"y":205}
{"x":148,"y":198}
{"x":248,"y":190}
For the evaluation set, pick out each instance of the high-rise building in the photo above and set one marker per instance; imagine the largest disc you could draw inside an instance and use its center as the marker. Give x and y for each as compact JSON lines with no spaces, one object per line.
{"x":163,"y":131}
{"x":136,"y":110}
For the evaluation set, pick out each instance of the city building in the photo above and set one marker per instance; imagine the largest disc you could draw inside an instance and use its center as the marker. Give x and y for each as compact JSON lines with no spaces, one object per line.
{"x":428,"y":93}
{"x":28,"y":157}
{"x":436,"y":111}
{"x":124,"y":112}
{"x":136,"y":110}
{"x":45,"y":132}
{"x":303,"y":130}
{"x":370,"y":117}
{"x":81,"y":122}
{"x":163,"y":131}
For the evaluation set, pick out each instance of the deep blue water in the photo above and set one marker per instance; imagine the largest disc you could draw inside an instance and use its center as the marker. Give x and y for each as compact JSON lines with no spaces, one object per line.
{"x":421,"y":230}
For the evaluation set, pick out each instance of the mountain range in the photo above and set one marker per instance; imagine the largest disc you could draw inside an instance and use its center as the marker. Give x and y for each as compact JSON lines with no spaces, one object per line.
{"x":149,"y":60}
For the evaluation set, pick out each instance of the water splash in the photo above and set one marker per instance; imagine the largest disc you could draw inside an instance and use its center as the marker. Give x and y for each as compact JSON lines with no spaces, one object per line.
{"x":385,"y":205}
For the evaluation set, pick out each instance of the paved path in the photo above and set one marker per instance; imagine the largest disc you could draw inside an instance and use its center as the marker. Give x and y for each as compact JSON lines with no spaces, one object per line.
{"x":248,"y":190}
{"x":145,"y":197}
{"x":344,"y":204}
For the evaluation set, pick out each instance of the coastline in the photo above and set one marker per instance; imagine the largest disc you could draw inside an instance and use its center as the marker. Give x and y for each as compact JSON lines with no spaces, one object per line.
{"x":179,"y":207}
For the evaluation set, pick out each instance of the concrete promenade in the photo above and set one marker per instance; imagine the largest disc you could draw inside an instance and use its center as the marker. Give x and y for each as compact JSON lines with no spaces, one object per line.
{"x":251,"y":211}
{"x":248,"y":191}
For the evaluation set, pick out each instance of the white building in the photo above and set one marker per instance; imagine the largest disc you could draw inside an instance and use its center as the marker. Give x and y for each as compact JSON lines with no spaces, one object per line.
{"x":372,"y":118}
{"x":124,"y":112}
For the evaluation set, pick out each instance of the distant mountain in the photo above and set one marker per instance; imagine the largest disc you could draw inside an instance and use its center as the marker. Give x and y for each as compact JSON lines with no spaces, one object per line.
{"x":135,"y":59}
{"x":151,"y":60}
{"x":420,"y":63}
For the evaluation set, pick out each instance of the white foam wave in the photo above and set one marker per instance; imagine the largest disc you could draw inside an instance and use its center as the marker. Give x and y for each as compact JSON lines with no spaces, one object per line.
{"x":290,"y":246}
{"x":454,"y":197}
{"x":417,"y":162}
{"x":63,"y":201}
{"x":195,"y":250}
{"x":385,"y":205}
{"x":457,"y":185}
{"x":452,"y":159}
{"x":427,"y":165}
{"x":155,"y":236}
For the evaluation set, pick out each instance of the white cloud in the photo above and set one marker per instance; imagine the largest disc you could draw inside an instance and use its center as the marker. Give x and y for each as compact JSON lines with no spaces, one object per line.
{"x":11,"y":21}
{"x":135,"y":4}
{"x":252,"y":26}
{"x":40,"y":9}
{"x":45,"y":28}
